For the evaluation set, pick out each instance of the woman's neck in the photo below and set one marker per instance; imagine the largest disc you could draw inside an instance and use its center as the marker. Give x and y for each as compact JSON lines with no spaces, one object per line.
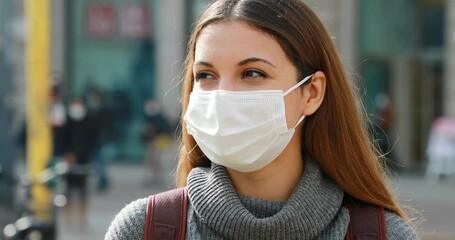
{"x":276,"y":181}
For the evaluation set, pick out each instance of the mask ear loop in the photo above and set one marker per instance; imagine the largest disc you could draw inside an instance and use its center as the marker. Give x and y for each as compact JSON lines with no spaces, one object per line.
{"x":299,"y":121}
{"x":297,"y":85}
{"x":292,"y":89}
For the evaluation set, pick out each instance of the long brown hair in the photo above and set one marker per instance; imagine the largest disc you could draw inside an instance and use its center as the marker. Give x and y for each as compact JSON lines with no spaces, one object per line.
{"x":335,"y":135}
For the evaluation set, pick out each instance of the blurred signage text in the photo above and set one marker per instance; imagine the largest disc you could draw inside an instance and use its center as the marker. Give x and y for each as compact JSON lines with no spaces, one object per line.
{"x":134,"y":21}
{"x":129,"y":21}
{"x":100,"y":21}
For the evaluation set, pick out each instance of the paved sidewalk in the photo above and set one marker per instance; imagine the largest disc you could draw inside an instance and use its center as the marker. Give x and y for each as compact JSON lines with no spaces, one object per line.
{"x":127,"y":183}
{"x":432,"y":204}
{"x":436,"y":202}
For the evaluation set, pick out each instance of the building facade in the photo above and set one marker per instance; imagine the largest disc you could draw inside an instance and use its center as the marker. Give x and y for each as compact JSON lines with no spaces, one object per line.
{"x":130,"y":51}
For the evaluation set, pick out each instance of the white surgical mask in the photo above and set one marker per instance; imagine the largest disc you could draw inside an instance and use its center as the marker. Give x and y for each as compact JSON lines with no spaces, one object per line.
{"x":77,"y":112}
{"x":241,"y":130}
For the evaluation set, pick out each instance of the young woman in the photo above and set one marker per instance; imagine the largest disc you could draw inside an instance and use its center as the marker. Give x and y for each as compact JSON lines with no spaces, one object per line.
{"x":272,"y":135}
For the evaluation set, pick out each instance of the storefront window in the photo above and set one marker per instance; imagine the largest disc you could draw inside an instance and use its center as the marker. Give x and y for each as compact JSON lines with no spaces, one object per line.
{"x":111,"y":52}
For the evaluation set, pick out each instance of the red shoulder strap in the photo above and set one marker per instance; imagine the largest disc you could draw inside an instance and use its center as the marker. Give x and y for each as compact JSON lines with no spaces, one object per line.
{"x":367,"y":221}
{"x":166,"y":215}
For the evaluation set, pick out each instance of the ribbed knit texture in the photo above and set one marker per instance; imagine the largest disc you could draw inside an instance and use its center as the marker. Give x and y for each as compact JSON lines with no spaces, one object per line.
{"x":309,"y":210}
{"x":216,"y":211}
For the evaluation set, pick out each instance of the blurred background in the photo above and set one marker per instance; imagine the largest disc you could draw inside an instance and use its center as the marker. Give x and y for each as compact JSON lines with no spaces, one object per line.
{"x":90,"y":92}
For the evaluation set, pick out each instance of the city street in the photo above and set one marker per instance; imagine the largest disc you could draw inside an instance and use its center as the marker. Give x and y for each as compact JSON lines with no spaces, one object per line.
{"x":105,"y":79}
{"x":436,"y":203}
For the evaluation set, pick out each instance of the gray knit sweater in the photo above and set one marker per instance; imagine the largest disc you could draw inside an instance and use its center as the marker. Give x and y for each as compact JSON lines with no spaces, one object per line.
{"x":216,"y":211}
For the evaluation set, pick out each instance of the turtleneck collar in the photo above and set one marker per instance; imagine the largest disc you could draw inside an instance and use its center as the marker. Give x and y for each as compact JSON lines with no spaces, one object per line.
{"x":307,"y":213}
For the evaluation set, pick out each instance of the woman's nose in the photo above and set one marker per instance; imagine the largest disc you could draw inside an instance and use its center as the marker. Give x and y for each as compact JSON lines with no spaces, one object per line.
{"x":228,"y":84}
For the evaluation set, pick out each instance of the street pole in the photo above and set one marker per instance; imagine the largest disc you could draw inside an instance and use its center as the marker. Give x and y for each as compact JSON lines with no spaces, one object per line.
{"x":37,"y":99}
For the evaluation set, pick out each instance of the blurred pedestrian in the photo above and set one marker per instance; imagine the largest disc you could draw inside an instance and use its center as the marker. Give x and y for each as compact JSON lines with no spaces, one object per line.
{"x":81,"y":139}
{"x":100,"y":123}
{"x":156,"y":134}
{"x":441,"y":149}
{"x":272,"y":137}
{"x":57,"y":120}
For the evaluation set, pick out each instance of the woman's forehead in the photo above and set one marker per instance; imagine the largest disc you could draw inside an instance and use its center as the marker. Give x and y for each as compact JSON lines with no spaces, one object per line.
{"x":235,"y":39}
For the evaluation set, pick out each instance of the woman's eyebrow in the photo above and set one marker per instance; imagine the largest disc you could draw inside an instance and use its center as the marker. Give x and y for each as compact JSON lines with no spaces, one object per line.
{"x":255,"y":59}
{"x":203,"y":63}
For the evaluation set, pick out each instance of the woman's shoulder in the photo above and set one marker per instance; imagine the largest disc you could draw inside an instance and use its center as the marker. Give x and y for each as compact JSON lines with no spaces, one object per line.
{"x":397,"y":228}
{"x":129,"y":223}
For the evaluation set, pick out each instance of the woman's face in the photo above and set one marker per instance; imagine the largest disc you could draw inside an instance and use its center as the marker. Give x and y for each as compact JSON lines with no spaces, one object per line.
{"x":236,"y":57}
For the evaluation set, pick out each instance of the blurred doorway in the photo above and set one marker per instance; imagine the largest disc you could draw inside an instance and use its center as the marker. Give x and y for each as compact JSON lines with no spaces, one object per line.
{"x":401,"y":46}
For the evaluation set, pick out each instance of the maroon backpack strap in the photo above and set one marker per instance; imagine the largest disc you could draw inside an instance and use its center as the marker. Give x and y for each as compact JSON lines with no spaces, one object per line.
{"x":166,"y":215}
{"x":367,"y":221}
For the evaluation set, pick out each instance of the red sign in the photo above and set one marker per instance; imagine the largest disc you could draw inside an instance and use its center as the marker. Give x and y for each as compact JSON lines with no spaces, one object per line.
{"x":100,"y":21}
{"x":134,"y":21}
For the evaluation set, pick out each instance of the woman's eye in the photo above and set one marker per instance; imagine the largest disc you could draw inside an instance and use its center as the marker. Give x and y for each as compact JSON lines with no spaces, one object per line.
{"x":253,"y":74}
{"x":203,"y":76}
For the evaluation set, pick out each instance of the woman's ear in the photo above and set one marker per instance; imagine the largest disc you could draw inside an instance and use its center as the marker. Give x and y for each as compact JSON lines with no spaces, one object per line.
{"x":313,"y":93}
